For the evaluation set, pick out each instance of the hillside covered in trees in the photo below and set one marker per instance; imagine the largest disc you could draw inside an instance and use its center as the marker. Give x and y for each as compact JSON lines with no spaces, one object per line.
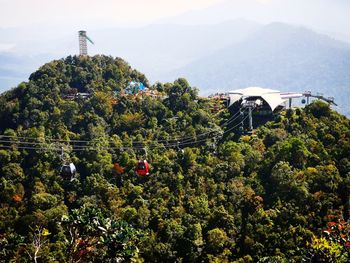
{"x":213,"y":195}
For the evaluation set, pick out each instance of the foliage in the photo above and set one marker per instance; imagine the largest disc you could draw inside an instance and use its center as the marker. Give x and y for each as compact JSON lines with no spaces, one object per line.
{"x":262,"y":198}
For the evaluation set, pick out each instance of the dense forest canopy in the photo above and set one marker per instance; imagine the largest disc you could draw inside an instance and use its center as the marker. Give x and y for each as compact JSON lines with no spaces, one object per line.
{"x":213,"y":195}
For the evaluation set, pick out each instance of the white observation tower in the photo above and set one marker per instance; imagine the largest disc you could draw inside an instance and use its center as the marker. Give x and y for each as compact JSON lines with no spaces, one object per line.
{"x":83,"y":43}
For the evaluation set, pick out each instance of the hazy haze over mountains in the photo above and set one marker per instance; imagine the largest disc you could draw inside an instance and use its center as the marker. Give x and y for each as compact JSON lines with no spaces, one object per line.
{"x":280,"y":56}
{"x":158,"y":49}
{"x":154,"y":49}
{"x":326,"y":16}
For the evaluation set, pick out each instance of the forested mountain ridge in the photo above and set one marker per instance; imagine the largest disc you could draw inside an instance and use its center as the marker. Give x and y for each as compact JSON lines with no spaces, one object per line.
{"x":281,"y":195}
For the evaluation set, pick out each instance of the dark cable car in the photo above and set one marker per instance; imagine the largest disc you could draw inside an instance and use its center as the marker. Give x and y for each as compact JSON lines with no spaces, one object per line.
{"x":68,"y":171}
{"x":142,"y":168}
{"x":180,"y":152}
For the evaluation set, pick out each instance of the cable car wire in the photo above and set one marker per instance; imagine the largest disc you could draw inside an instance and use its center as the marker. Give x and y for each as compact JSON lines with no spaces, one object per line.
{"x":48,"y":139}
{"x":31,"y":145}
{"x":170,"y":143}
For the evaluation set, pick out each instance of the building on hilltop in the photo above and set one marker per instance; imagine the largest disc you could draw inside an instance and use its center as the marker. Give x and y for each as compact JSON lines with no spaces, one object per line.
{"x":261,"y":104}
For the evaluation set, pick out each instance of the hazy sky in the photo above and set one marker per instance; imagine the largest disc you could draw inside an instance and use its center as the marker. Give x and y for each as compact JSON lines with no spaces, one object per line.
{"x":109,"y":13}
{"x":38,"y":19}
{"x":80,"y":12}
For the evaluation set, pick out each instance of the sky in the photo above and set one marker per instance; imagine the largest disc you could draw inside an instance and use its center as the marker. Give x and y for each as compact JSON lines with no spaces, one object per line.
{"x":17,"y":13}
{"x":26,"y":21}
{"x":106,"y":13}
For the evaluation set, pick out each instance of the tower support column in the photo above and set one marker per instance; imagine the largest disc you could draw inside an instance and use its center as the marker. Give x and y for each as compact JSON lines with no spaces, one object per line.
{"x":82,"y":43}
{"x":250,"y":119}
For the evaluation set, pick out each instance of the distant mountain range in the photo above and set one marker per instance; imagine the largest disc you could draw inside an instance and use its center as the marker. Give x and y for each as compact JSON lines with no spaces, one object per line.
{"x":153,"y":49}
{"x":278,"y":56}
{"x":16,"y":68}
{"x":214,"y":58}
{"x":156,"y":49}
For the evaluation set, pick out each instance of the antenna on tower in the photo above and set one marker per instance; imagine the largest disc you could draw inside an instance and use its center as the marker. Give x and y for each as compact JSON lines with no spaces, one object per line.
{"x":83,"y":43}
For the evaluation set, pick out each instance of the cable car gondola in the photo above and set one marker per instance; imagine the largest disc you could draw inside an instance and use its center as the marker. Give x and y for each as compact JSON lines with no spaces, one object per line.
{"x":68,"y":171}
{"x":142,"y":168}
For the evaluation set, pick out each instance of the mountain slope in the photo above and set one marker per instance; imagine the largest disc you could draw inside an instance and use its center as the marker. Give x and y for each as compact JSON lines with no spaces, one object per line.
{"x":278,"y":56}
{"x":213,"y":194}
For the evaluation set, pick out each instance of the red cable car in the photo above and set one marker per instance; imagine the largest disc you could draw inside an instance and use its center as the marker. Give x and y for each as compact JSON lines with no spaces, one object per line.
{"x":142,"y":168}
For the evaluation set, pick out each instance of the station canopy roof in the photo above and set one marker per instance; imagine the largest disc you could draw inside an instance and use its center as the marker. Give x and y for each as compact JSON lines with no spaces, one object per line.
{"x":272,"y":97}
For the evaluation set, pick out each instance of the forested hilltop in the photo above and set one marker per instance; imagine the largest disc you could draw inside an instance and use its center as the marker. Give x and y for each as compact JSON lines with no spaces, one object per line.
{"x":212,"y":195}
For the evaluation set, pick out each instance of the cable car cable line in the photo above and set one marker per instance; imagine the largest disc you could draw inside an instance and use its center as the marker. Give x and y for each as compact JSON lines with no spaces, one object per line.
{"x":48,"y":139}
{"x":23,"y":145}
{"x":68,"y":169}
{"x":75,"y":148}
{"x":170,"y":143}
